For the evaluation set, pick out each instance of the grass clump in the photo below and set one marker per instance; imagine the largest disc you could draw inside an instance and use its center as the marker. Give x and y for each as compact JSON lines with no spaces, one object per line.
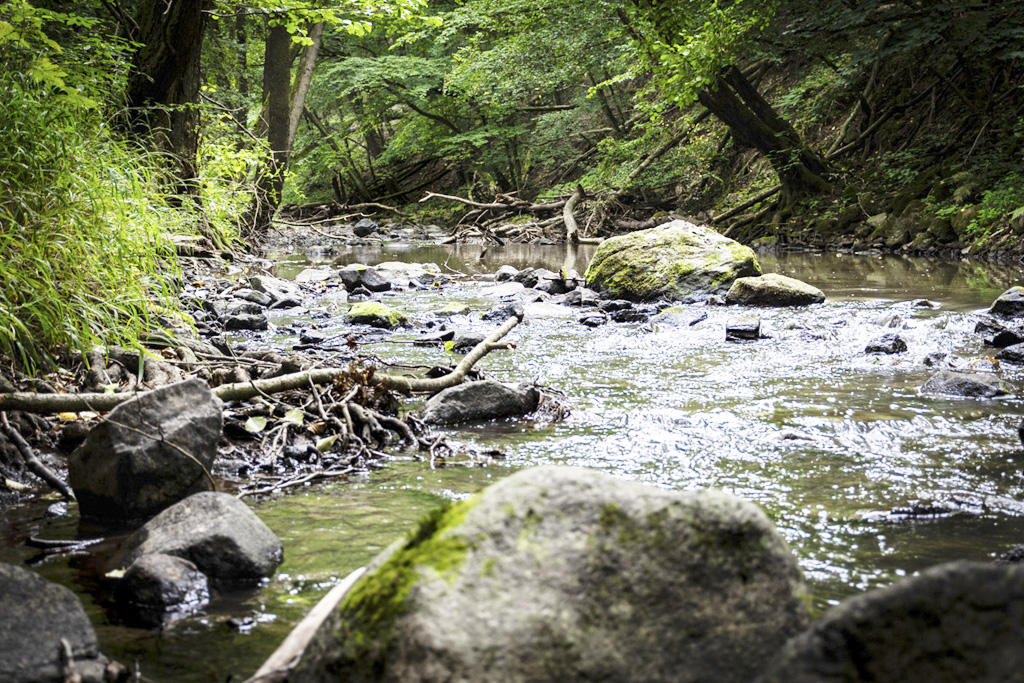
{"x":82,"y":228}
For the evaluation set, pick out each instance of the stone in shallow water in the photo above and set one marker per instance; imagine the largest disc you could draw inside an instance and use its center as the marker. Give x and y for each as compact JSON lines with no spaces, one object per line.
{"x":564,"y":574}
{"x":961,"y":621}
{"x":773,"y":290}
{"x":35,"y":615}
{"x":160,"y":588}
{"x":888,"y":343}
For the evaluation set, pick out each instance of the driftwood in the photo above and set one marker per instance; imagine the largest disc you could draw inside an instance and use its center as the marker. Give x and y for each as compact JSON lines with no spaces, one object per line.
{"x":240,"y":391}
{"x":285,"y":658}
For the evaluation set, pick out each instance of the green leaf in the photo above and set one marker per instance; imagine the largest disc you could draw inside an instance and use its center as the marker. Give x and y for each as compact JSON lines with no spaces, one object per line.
{"x":255,"y":425}
{"x":295,"y":417}
{"x":325,"y":444}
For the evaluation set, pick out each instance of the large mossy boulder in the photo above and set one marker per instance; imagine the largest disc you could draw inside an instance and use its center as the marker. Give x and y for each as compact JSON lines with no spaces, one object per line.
{"x":150,"y":452}
{"x":961,"y":621}
{"x":35,"y":617}
{"x":773,"y":290}
{"x":671,"y":261}
{"x":564,"y":574}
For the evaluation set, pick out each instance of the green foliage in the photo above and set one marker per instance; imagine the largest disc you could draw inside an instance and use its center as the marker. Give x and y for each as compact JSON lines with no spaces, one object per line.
{"x":82,"y":229}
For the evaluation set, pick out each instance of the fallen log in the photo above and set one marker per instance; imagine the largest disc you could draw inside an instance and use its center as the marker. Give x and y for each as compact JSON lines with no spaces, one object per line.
{"x":240,"y":391}
{"x":518,"y":205}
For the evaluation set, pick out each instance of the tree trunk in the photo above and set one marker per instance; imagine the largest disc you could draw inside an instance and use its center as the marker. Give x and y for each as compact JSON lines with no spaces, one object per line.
{"x":277,"y":67}
{"x":163,"y":85}
{"x":303,"y":79}
{"x":754,"y":123}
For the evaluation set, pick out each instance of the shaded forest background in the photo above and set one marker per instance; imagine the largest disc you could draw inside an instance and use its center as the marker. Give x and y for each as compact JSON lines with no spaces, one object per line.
{"x":134,"y":130}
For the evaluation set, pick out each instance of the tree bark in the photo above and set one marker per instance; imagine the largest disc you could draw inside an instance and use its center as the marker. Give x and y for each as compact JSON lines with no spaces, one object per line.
{"x":754,"y":123}
{"x":277,"y":67}
{"x":303,"y":79}
{"x":163,"y":84}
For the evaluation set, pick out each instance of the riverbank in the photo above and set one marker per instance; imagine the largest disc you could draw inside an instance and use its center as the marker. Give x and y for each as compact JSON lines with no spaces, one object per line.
{"x":780,"y":421}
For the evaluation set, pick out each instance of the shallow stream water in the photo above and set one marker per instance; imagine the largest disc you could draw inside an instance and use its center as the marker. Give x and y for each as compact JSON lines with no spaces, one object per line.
{"x":831,"y":442}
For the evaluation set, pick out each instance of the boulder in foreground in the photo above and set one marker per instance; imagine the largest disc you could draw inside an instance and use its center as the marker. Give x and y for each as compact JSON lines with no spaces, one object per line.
{"x":671,"y":261}
{"x":35,"y":615}
{"x":564,"y":574}
{"x":961,"y":621}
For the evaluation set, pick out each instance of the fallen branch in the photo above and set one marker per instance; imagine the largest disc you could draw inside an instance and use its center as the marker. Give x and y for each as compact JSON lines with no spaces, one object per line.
{"x":32,"y":462}
{"x":520,"y":205}
{"x":241,"y":391}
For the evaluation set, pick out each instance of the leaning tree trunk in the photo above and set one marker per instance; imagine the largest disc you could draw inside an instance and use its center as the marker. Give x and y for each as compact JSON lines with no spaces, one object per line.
{"x":163,"y":84}
{"x":754,"y":123}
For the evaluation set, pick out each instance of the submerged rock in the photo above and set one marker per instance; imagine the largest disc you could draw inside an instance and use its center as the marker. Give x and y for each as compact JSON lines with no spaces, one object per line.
{"x":965,"y":384}
{"x":149,"y":453}
{"x":376,"y":314}
{"x":217,"y":532}
{"x":35,"y":616}
{"x":888,"y":343}
{"x":671,"y":261}
{"x":961,"y":621}
{"x":564,"y":574}
{"x":159,"y":588}
{"x":1010,"y":303}
{"x":482,"y":400}
{"x":773,"y":290}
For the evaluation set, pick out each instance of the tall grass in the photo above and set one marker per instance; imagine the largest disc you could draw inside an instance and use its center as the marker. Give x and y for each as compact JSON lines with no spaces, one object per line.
{"x":83,"y":230}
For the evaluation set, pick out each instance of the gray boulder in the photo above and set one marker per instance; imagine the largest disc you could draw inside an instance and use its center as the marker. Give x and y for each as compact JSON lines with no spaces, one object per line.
{"x":158,"y":589}
{"x":35,"y":615}
{"x":217,"y":532}
{"x":965,"y":384}
{"x":960,"y":621}
{"x":773,"y":290}
{"x":149,"y":453}
{"x":483,"y":400}
{"x":364,"y":228}
{"x":672,"y":261}
{"x":1010,"y":303}
{"x":564,"y":574}
{"x":285,"y":294}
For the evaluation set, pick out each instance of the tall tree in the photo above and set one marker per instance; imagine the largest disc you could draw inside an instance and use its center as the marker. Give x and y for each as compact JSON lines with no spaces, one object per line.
{"x":163,"y":84}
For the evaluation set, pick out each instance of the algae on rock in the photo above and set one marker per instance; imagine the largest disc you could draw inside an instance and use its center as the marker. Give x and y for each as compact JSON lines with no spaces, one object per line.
{"x":671,"y":261}
{"x":564,"y":574}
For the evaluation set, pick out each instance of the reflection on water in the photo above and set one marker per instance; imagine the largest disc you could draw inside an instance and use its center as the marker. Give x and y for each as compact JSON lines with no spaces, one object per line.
{"x":828,"y":440}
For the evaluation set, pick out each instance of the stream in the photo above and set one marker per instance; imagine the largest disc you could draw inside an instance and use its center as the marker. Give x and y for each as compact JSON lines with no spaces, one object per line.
{"x":834,"y":444}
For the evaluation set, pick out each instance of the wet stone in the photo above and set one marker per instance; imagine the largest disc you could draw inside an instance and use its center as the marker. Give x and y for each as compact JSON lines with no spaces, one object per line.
{"x":1012,"y":354}
{"x":246,"y":321}
{"x":157,"y":589}
{"x":743,"y":330}
{"x":887,"y":343}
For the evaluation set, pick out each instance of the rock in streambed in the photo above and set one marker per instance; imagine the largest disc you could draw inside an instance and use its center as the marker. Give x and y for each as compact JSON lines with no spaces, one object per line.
{"x":671,"y":261}
{"x":149,"y":453}
{"x":564,"y":574}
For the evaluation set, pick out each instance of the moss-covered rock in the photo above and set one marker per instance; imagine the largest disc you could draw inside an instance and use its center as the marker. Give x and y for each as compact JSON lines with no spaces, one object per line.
{"x":563,"y":574}
{"x":773,"y":290}
{"x":376,"y":314}
{"x":671,"y":261}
